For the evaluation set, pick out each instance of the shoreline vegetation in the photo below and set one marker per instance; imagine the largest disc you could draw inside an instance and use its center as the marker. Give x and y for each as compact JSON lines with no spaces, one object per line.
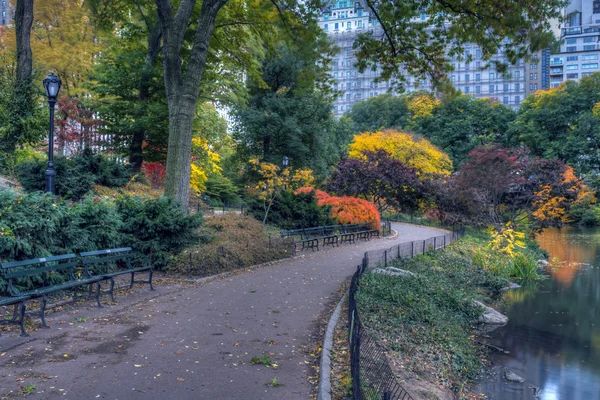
{"x":429,"y":321}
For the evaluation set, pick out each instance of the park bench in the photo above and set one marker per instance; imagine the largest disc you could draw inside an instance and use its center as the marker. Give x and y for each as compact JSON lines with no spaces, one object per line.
{"x":105,"y":265}
{"x":330,"y":240}
{"x":19,"y":310}
{"x":44,"y":277}
{"x":308,"y":244}
{"x":347,"y":238}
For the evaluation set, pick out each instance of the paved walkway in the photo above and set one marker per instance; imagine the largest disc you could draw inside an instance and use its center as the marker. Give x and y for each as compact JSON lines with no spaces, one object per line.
{"x":191,"y":342}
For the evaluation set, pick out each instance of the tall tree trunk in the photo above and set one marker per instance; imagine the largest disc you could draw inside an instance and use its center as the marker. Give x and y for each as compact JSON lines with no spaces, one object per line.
{"x":23,"y":22}
{"x":22,"y":101}
{"x":137,"y":141}
{"x":183,"y":88}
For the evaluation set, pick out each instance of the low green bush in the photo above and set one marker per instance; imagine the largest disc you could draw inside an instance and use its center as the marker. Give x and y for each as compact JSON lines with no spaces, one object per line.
{"x":75,"y":176}
{"x":38,"y":224}
{"x":291,"y":211}
{"x":158,"y":227}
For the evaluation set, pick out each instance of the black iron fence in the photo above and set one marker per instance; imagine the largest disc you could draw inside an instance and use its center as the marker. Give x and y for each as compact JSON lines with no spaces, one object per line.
{"x":372,"y":376}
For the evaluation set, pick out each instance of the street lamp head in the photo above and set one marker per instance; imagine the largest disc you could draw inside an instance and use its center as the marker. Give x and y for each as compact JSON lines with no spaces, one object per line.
{"x":286,"y":161}
{"x":52,"y":86}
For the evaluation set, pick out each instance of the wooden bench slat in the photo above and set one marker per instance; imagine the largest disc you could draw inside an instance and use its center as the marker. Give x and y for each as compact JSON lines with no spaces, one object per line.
{"x":37,"y":271}
{"x":42,"y":260}
{"x":107,"y":259}
{"x":106,"y":251}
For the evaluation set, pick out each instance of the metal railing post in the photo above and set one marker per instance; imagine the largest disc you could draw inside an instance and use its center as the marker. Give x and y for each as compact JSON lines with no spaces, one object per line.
{"x":424,"y":244}
{"x":385,"y":257}
{"x":412,"y":249}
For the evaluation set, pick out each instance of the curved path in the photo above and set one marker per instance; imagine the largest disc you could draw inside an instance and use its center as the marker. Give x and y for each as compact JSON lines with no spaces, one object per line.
{"x":192,"y":342}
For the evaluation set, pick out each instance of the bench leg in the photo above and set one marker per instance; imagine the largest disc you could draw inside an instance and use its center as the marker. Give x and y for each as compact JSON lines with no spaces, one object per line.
{"x":112,"y":288}
{"x":97,"y":294}
{"x":150,"y":280}
{"x":132,"y":278}
{"x":15,"y":312}
{"x":43,"y":311}
{"x":22,"y":319}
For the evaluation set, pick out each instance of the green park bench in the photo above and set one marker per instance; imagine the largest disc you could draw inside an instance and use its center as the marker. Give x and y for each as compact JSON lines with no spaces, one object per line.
{"x":42,"y":277}
{"x":105,"y":265}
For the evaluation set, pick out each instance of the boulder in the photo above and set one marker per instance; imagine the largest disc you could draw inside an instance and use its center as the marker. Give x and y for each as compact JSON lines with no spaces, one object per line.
{"x":511,"y":285}
{"x":391,"y":271}
{"x":542,"y":263}
{"x":490,"y":316}
{"x":512,"y":377}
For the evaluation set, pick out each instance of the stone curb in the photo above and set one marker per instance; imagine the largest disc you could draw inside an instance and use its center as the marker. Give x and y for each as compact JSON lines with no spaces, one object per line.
{"x":324,"y":390}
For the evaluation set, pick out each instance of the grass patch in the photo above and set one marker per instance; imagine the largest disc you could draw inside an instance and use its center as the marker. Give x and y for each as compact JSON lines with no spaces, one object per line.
{"x":274,"y":383}
{"x":427,"y":320}
{"x":262,"y":360}
{"x":232,"y":241}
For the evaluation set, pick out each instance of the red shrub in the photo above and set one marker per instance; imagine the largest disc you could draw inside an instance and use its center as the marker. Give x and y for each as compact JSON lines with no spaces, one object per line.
{"x":155,"y":173}
{"x":346,"y":209}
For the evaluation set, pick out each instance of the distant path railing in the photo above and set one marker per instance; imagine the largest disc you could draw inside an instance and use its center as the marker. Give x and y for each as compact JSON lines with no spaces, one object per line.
{"x":372,"y":376}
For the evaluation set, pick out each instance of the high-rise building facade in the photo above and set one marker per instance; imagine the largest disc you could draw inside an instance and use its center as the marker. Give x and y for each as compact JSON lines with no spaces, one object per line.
{"x":7,"y":13}
{"x":579,"y":50}
{"x":343,"y":20}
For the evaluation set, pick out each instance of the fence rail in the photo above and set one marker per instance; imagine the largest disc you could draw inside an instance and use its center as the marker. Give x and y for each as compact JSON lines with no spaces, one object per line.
{"x":372,"y":376}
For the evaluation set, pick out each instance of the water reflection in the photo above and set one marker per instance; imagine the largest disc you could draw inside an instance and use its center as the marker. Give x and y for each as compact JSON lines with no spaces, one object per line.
{"x":554,"y":331}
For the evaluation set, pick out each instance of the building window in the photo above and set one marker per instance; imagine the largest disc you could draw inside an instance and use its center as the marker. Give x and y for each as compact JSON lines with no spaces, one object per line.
{"x":589,"y":66}
{"x":535,"y":76}
{"x":326,"y":27}
{"x":506,"y":87}
{"x":348,"y":97}
{"x":530,"y":66}
{"x":477,"y":89}
{"x":573,"y":76}
{"x":517,"y":87}
{"x":572,"y":67}
{"x":492,"y":76}
{"x":589,"y":57}
{"x":531,"y":86}
{"x":517,"y":99}
{"x":589,"y":47}
{"x":478,"y":53}
{"x":477,"y":77}
{"x":517,"y":74}
{"x":453,"y":78}
{"x":477,"y":64}
{"x":535,"y":86}
{"x":491,"y":88}
{"x":589,"y":39}
{"x":586,"y":74}
{"x":467,"y":77}
{"x":505,"y":100}
{"x":336,"y":26}
{"x":531,"y":76}
{"x":467,"y":89}
{"x":571,"y":49}
{"x":571,"y":41}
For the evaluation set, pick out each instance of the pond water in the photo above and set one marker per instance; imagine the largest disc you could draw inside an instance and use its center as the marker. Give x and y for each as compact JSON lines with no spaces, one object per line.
{"x":553,"y":334}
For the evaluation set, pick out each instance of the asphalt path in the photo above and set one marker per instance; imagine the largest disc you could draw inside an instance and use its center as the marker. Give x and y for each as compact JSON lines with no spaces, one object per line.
{"x":192,"y":341}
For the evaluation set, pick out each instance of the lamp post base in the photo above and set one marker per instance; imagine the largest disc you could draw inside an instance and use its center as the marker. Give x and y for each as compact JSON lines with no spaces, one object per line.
{"x":50,"y":174}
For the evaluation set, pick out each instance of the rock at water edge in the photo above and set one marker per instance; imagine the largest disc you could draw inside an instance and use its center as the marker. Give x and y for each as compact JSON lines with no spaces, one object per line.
{"x":490,"y":316}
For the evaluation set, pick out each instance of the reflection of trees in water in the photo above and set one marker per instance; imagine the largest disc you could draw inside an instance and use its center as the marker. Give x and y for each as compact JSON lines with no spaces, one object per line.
{"x":564,"y":311}
{"x":574,"y":247}
{"x":554,"y":330}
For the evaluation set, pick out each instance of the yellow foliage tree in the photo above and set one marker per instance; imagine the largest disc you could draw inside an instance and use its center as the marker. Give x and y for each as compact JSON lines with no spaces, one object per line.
{"x":274,"y":180}
{"x":507,"y":240}
{"x":204,"y":162}
{"x":421,"y":105}
{"x":63,"y":40}
{"x":411,"y":150}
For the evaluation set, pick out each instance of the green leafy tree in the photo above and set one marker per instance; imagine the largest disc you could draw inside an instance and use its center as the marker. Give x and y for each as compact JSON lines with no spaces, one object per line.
{"x":375,"y":113}
{"x":561,"y":123}
{"x":290,"y":117}
{"x":411,"y":46}
{"x":461,"y":123}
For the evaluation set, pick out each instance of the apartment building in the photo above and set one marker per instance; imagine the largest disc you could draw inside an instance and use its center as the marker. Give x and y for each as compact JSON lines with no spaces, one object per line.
{"x":579,"y":49}
{"x":7,"y":13}
{"x":343,"y":20}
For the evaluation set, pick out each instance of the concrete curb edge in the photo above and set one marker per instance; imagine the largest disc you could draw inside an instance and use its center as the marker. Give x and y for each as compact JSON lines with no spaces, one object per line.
{"x":324,"y":390}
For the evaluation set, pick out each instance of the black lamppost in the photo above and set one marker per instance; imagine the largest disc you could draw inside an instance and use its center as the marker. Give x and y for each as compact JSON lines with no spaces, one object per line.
{"x":286,"y":162}
{"x":52,"y":86}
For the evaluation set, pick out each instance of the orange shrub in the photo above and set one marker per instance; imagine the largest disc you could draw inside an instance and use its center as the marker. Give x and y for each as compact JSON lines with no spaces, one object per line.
{"x":346,"y":209}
